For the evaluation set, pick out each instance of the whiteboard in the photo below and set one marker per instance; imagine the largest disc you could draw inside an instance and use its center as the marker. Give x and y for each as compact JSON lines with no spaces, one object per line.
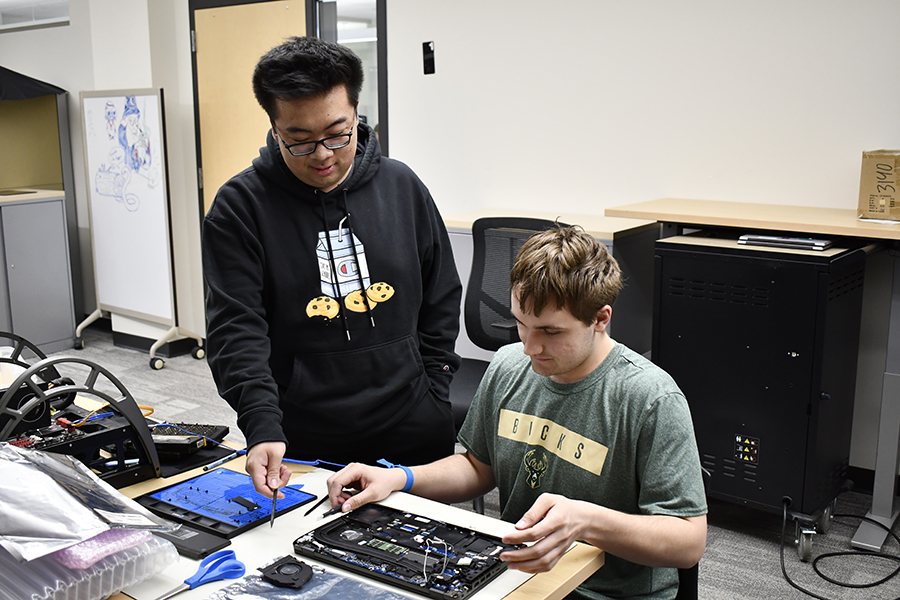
{"x":125,"y":159}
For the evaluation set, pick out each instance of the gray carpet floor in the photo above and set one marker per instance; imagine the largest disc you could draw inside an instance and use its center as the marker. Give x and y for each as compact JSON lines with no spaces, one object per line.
{"x":742,"y":558}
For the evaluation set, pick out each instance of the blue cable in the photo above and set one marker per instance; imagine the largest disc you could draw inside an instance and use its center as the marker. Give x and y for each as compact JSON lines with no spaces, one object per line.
{"x":98,"y":416}
{"x":311,"y":463}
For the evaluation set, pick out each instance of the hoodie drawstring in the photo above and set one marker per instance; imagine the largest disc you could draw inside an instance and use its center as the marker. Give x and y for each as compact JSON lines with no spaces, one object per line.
{"x":362,"y":285}
{"x":334,"y":275}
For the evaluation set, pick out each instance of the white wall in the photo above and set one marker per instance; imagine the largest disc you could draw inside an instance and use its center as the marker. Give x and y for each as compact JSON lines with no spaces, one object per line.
{"x":126,"y":44}
{"x":577,"y":105}
{"x":62,"y":56}
{"x":588,"y":104}
{"x":572,"y":105}
{"x":120,"y":44}
{"x":170,"y":47}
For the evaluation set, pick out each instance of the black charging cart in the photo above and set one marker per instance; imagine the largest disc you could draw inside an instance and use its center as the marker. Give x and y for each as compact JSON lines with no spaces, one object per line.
{"x":763,"y":341}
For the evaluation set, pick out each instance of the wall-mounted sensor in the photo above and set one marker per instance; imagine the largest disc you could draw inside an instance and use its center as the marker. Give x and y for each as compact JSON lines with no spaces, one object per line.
{"x":428,"y":57}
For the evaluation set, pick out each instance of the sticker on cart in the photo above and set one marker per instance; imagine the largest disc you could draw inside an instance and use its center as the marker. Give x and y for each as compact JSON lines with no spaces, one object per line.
{"x":746,"y":449}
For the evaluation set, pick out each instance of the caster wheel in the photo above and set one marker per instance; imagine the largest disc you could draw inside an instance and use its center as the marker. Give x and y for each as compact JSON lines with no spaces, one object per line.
{"x":79,"y":344}
{"x":824,"y":523}
{"x":804,"y":545}
{"x":198,"y":352}
{"x":157,"y":363}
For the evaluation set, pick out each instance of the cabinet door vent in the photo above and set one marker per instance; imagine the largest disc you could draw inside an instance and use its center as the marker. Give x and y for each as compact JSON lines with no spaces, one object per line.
{"x":715,"y":291}
{"x":749,"y":473}
{"x":846,"y":284}
{"x":727,"y":467}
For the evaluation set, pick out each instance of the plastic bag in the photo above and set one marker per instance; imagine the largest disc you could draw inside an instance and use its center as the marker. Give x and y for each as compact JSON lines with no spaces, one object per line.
{"x":52,"y":501}
{"x":324,"y":585}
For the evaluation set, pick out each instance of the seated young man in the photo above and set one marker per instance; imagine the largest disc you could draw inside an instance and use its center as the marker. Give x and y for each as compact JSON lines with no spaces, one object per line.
{"x":585,"y":439}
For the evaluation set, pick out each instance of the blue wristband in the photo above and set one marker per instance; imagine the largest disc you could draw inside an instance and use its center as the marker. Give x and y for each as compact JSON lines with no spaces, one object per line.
{"x":409,"y":474}
{"x":409,"y":478}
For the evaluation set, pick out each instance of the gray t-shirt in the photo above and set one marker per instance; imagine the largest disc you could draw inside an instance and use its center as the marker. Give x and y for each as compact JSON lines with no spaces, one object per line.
{"x":621,"y":437}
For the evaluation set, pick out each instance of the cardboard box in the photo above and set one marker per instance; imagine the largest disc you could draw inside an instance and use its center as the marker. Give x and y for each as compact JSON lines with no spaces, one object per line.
{"x":878,"y":190}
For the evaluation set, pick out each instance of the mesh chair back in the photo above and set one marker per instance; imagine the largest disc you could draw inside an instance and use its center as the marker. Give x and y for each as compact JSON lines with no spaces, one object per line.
{"x":495,"y":243}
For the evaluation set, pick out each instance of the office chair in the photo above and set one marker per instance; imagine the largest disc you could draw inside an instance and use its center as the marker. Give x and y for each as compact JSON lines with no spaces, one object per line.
{"x":688,"y":579}
{"x":688,"y":583}
{"x":463,"y":387}
{"x":489,"y":322}
{"x":462,"y":390}
{"x":495,"y":242}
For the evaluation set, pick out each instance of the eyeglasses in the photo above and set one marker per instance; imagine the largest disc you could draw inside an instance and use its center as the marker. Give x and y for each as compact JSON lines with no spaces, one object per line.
{"x":333,"y":142}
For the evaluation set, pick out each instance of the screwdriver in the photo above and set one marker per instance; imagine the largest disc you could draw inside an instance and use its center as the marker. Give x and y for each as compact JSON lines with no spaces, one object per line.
{"x":316,"y":505}
{"x":272,"y":515}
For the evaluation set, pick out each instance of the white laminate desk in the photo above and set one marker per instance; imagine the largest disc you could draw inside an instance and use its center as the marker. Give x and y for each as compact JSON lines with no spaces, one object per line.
{"x":675,"y":212}
{"x":629,"y":240}
{"x":262,"y":545}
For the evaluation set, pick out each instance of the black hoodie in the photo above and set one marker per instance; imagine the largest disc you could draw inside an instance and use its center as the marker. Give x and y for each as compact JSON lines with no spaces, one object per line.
{"x":283,"y":337}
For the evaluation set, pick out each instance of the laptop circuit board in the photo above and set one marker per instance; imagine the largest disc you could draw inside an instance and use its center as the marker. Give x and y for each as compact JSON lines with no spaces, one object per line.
{"x":416,"y":553}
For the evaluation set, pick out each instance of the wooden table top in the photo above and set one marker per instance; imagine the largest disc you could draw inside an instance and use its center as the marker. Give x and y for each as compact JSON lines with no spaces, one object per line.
{"x":801,"y":219}
{"x":600,"y":227}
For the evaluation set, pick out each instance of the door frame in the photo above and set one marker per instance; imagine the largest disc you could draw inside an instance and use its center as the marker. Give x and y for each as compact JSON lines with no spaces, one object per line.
{"x":312,"y":29}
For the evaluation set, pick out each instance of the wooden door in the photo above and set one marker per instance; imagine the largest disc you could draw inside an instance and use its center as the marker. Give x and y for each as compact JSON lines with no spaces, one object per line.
{"x":229,"y":41}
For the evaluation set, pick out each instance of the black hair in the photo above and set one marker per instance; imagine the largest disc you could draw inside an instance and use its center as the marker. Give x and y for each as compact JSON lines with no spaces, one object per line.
{"x":304,"y":67}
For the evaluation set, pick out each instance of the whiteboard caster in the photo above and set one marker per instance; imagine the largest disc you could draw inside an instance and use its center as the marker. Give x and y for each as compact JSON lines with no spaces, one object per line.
{"x":199,"y":352}
{"x":157,"y":363}
{"x":79,"y":344}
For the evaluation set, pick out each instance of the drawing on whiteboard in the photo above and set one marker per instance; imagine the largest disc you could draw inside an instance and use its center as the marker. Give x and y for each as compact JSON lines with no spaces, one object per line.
{"x":130,"y":153}
{"x":111,"y":119}
{"x":113,"y":179}
{"x":133,"y":138}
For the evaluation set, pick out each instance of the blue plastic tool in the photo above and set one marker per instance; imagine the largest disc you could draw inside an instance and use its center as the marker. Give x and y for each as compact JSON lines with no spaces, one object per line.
{"x":216,"y":566}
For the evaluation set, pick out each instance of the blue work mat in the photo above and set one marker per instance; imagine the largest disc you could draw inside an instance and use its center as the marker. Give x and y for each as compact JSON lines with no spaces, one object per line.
{"x":222,"y":502}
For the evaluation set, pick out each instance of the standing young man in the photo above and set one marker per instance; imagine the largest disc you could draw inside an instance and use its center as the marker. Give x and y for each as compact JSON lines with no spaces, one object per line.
{"x":333,"y":303}
{"x":585,"y":439}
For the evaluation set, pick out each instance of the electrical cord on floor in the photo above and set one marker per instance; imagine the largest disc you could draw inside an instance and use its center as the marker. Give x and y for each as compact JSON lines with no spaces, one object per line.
{"x":815,"y":562}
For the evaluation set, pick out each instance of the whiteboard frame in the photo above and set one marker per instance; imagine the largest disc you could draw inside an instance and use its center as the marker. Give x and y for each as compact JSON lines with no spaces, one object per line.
{"x":113,"y":283}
